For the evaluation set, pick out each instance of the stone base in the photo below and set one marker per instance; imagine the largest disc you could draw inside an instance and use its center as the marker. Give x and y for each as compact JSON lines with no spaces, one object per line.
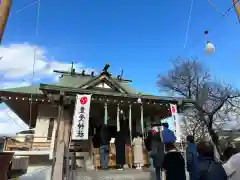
{"x":89,"y":164}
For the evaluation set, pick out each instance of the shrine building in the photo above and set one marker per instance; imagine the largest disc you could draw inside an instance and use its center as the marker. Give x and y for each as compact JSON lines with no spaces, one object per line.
{"x":49,"y":109}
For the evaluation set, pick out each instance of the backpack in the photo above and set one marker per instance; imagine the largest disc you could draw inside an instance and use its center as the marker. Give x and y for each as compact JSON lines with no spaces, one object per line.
{"x":204,"y":173}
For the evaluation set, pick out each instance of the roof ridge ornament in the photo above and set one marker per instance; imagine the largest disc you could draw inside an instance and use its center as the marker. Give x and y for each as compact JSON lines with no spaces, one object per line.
{"x":105,"y":70}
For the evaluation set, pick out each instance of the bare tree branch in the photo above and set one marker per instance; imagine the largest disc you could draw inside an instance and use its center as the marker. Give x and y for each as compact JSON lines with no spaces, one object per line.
{"x":213,"y":100}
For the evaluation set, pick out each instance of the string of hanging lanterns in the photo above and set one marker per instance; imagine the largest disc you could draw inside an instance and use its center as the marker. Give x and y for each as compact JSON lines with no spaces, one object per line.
{"x":4,"y":98}
{"x":139,"y":100}
{"x":209,"y":46}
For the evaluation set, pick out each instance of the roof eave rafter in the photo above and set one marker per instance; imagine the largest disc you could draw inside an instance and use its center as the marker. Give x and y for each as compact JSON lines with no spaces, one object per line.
{"x":57,"y":89}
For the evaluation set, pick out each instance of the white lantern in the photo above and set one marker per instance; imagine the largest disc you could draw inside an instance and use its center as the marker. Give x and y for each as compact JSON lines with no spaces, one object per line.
{"x":139,"y":101}
{"x":209,"y":48}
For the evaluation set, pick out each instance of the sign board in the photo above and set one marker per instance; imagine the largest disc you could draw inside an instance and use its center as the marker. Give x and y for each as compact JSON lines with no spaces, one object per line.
{"x":176,"y":122}
{"x":80,"y":125}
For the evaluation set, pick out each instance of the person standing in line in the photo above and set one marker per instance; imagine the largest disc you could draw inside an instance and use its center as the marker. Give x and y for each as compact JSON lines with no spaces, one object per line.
{"x":191,"y":157}
{"x":120,"y":144}
{"x":173,"y":163}
{"x":104,"y":146}
{"x":232,"y":165}
{"x":148,"y":146}
{"x":167,"y":134}
{"x":157,"y":150}
{"x":138,"y":146}
{"x":208,"y":167}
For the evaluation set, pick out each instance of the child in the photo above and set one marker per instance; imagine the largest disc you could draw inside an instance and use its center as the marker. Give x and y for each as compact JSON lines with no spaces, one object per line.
{"x":174,"y":163}
{"x":138,"y":151}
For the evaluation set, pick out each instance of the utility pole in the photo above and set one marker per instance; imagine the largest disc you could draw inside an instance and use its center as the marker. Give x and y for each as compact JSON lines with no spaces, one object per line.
{"x":5,"y":6}
{"x":237,"y":8}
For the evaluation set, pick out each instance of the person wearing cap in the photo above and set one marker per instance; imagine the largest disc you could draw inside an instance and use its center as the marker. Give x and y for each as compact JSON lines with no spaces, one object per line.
{"x":167,"y":134}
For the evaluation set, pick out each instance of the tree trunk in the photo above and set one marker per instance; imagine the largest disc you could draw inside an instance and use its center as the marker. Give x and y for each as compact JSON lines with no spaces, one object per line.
{"x":212,"y":133}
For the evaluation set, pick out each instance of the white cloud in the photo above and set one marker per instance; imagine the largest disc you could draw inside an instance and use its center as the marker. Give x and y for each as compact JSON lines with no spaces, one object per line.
{"x":16,"y":70}
{"x":17,"y":63}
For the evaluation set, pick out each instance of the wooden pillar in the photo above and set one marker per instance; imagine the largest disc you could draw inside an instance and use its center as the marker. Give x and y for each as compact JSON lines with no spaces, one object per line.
{"x":73,"y":161}
{"x":5,"y":148}
{"x":62,"y":141}
{"x":67,"y":125}
{"x":5,"y":6}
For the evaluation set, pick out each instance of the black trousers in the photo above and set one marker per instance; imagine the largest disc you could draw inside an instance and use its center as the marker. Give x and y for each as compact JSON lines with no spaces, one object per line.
{"x":120,"y":153}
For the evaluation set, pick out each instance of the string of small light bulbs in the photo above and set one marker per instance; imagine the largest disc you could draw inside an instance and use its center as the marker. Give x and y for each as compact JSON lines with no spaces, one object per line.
{"x":209,"y":46}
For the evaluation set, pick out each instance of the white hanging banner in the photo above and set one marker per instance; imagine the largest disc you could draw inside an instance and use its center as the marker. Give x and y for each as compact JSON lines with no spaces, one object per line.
{"x":80,"y":125}
{"x":176,"y":122}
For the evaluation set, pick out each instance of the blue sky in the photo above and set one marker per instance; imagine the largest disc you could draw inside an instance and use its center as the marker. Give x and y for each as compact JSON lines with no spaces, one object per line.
{"x":141,"y":37}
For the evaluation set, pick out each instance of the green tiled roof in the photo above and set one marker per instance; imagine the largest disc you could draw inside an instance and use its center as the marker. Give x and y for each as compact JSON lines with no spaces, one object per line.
{"x":25,"y":89}
{"x":71,"y":82}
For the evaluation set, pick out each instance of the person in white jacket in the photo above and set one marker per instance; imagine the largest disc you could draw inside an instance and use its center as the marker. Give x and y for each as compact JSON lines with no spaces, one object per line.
{"x":232,"y":166}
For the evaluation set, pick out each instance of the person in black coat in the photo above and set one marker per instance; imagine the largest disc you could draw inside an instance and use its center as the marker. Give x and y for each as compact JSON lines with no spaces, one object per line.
{"x":96,"y":137}
{"x":157,"y":150}
{"x":104,"y":139}
{"x":174,"y":163}
{"x":148,"y":145}
{"x":120,"y":142}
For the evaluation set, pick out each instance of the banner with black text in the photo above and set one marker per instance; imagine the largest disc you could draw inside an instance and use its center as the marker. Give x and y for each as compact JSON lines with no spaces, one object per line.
{"x":80,"y":124}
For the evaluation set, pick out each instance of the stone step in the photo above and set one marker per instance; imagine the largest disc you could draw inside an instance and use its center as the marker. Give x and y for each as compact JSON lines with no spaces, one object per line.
{"x":126,"y":174}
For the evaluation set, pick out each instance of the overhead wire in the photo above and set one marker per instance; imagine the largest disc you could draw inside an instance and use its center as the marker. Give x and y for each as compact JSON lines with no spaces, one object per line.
{"x":213,"y":26}
{"x":218,"y":10}
{"x":188,"y":24}
{"x":34,"y":60}
{"x":26,"y":6}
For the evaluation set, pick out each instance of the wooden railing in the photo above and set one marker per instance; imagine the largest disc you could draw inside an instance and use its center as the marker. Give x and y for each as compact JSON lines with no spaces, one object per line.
{"x":35,"y":145}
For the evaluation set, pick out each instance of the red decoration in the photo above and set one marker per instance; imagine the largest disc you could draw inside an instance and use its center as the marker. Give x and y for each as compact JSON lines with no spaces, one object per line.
{"x":154,"y":132}
{"x":83,"y":100}
{"x":173,"y":109}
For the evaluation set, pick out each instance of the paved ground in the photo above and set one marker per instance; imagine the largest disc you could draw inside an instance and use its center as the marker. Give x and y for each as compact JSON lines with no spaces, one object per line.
{"x":43,"y":173}
{"x":37,"y":173}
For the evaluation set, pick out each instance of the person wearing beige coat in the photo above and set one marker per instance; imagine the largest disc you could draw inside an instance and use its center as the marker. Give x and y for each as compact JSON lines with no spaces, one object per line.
{"x":138,"y":145}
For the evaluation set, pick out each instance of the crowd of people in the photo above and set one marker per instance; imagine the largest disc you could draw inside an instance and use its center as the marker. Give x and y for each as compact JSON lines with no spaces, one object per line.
{"x":160,"y":142}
